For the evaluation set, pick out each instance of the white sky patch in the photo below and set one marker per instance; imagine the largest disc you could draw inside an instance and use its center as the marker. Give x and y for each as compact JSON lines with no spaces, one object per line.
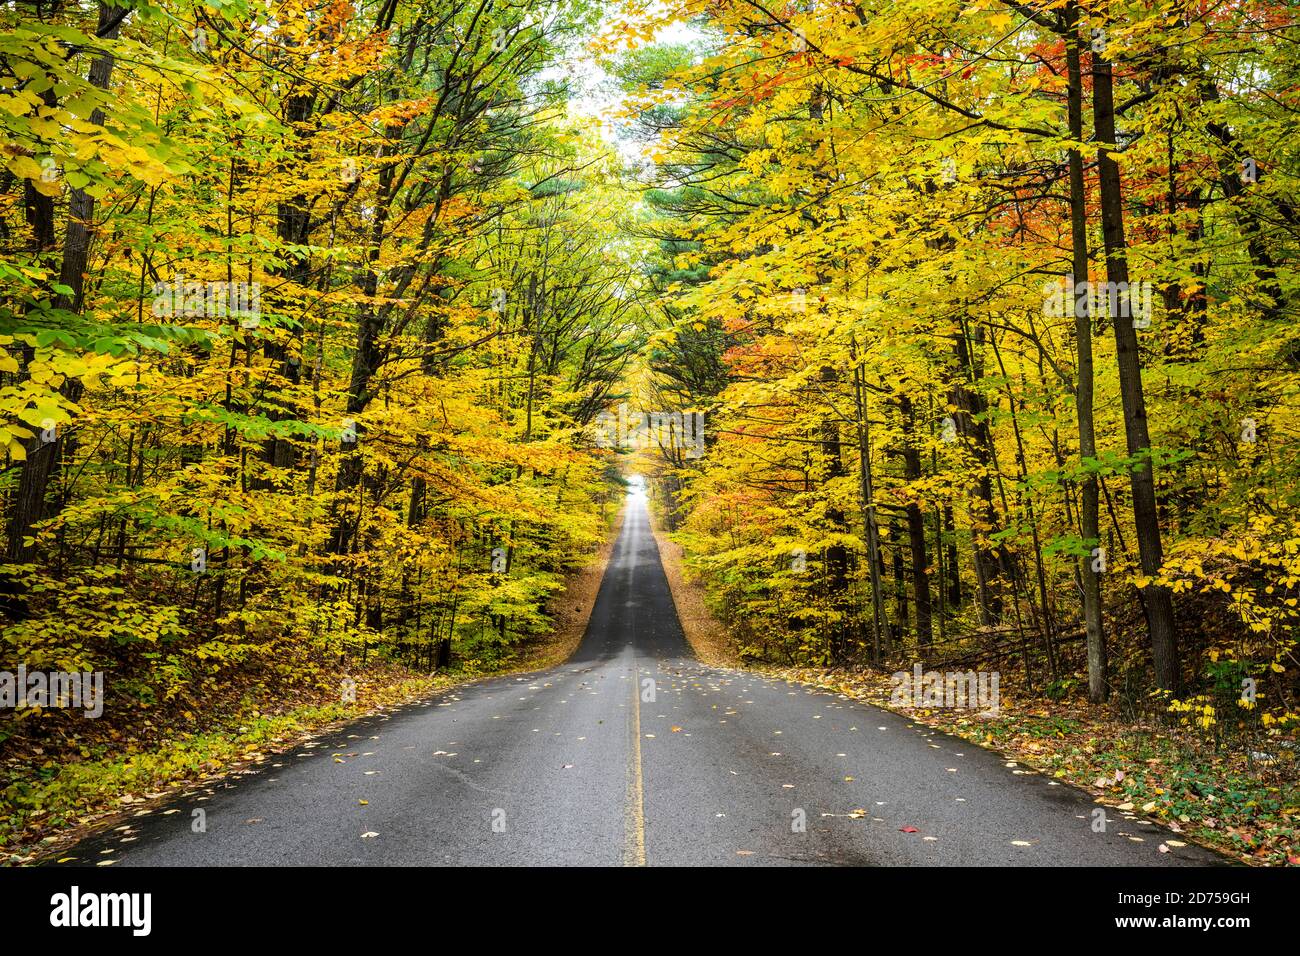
{"x":594,"y":93}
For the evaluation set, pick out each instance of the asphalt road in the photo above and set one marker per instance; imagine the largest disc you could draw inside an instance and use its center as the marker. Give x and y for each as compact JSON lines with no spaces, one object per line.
{"x":634,"y":753}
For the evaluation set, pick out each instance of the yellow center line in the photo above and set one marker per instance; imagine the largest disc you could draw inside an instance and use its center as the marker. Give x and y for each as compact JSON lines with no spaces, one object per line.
{"x":634,"y":822}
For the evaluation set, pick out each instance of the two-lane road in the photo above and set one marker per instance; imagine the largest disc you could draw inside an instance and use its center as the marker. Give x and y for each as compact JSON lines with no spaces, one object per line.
{"x":634,"y":753}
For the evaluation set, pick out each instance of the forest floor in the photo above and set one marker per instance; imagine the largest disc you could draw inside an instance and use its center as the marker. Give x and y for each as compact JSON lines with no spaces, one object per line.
{"x":1223,"y":798}
{"x":52,"y":798}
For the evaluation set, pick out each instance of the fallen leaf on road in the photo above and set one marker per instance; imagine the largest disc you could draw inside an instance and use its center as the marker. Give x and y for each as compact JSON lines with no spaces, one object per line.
{"x":909,"y":829}
{"x":368,"y":834}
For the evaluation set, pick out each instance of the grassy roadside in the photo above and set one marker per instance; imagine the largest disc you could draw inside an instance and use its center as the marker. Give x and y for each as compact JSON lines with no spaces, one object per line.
{"x":47,"y":806}
{"x":1221,"y":799}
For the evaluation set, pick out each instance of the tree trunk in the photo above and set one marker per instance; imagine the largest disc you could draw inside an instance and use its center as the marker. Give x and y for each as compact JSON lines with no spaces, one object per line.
{"x":1089,"y":524}
{"x":837,"y":555}
{"x":916,"y":528}
{"x":1158,"y":599}
{"x":866,"y":485}
{"x":293,"y":227}
{"x":42,"y":456}
{"x":974,"y":427}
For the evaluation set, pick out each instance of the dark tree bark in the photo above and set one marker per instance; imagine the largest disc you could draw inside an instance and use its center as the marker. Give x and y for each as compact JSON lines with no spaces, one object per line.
{"x":973,"y":426}
{"x":29,"y":505}
{"x":916,"y":528}
{"x":1089,"y":523}
{"x":837,"y":555}
{"x":1158,"y":599}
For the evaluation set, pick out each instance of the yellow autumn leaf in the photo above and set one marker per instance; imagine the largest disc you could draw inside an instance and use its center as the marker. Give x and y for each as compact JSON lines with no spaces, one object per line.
{"x":24,"y":167}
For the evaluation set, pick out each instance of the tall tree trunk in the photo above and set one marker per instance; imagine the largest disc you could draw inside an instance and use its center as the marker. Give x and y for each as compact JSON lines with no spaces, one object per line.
{"x":972,"y":425}
{"x":1158,"y":599}
{"x":42,"y":456}
{"x":1089,"y":524}
{"x":954,"y":569}
{"x":866,"y":484}
{"x":837,"y":555}
{"x":916,"y":527}
{"x":293,"y":227}
{"x":900,"y":585}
